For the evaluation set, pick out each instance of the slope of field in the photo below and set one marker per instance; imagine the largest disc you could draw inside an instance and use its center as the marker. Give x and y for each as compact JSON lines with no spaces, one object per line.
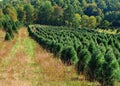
{"x":25,"y":63}
{"x":96,"y":55}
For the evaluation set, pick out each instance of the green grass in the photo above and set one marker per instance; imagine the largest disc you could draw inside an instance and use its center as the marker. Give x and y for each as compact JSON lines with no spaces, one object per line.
{"x":29,"y":47}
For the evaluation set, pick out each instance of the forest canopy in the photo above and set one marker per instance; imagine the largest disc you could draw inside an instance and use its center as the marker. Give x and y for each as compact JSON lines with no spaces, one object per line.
{"x":74,"y":13}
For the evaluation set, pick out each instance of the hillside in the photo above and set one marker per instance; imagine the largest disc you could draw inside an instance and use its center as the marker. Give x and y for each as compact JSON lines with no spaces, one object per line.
{"x":59,"y":42}
{"x":91,"y":52}
{"x":25,"y":63}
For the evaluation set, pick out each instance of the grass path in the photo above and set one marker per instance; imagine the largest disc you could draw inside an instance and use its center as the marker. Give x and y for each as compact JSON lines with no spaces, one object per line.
{"x":25,"y":63}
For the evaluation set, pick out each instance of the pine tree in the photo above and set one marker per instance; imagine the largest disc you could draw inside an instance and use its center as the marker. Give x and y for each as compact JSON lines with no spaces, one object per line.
{"x":7,"y":36}
{"x":84,"y":59}
{"x":96,"y":65}
{"x":111,"y":68}
{"x":69,"y":55}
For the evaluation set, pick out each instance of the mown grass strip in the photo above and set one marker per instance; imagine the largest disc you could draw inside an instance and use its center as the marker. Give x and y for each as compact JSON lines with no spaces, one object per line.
{"x":29,"y":47}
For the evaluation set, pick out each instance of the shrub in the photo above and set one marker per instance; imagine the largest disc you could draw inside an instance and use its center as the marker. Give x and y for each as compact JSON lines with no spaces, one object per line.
{"x":84,"y":59}
{"x":79,"y":48}
{"x":116,"y":53}
{"x":117,"y":45}
{"x":92,"y":47}
{"x":69,"y":55}
{"x":58,"y":48}
{"x":102,"y":48}
{"x":96,"y":65}
{"x":7,"y":36}
{"x":111,"y":68}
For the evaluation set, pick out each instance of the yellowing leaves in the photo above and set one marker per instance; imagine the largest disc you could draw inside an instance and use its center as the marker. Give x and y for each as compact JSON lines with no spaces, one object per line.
{"x":10,"y":10}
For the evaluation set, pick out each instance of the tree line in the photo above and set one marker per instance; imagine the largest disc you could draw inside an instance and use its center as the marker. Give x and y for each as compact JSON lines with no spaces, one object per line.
{"x":74,"y":13}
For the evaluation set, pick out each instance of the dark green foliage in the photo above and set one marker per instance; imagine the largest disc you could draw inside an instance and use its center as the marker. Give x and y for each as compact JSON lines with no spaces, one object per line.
{"x":58,"y":48}
{"x":117,"y":44}
{"x":60,"y":12}
{"x":8,"y":36}
{"x":14,"y":27}
{"x":10,"y":27}
{"x":79,"y":48}
{"x":84,"y":58}
{"x":44,"y":12}
{"x":77,"y":45}
{"x":112,"y":65}
{"x":102,"y":48}
{"x":1,"y":25}
{"x":96,"y":64}
{"x":105,"y":24}
{"x":29,"y":10}
{"x":69,"y":55}
{"x":116,"y":53}
{"x":92,"y":47}
{"x":88,"y":49}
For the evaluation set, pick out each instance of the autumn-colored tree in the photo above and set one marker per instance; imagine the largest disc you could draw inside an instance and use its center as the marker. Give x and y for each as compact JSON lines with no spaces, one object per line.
{"x":58,"y":11}
{"x":84,"y":21}
{"x":92,"y":22}
{"x":11,"y":11}
{"x":76,"y":20}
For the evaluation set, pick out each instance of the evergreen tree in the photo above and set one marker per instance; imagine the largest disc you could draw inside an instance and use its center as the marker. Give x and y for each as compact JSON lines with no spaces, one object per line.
{"x":69,"y":55}
{"x":111,"y":68}
{"x":84,"y":58}
{"x":96,"y":65}
{"x":7,"y":36}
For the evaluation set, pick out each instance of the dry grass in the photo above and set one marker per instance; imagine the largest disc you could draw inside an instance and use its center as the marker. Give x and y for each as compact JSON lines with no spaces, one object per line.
{"x":14,"y":83}
{"x":5,"y":46}
{"x":55,"y":73}
{"x":12,"y":74}
{"x":53,"y":67}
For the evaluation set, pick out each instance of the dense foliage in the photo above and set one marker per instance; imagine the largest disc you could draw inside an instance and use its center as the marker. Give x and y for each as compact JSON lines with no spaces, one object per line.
{"x":9,"y":22}
{"x":76,"y":13}
{"x":73,"y":13}
{"x":97,"y":55}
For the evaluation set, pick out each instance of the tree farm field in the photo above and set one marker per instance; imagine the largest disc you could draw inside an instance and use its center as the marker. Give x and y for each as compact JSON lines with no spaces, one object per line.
{"x":59,"y":42}
{"x":89,"y":51}
{"x":23,"y":62}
